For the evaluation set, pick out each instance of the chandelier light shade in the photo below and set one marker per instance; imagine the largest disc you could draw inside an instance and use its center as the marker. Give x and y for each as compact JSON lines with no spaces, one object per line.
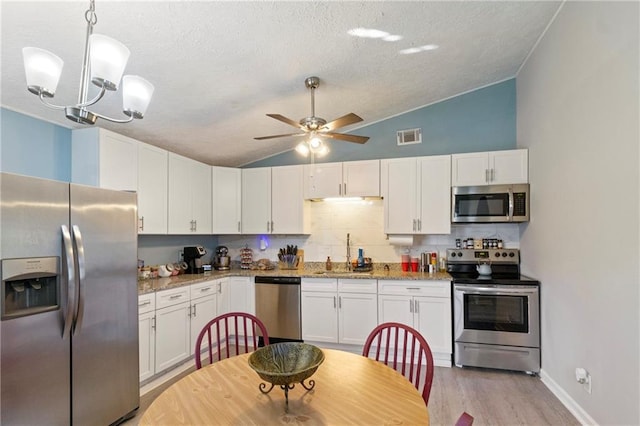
{"x":136,"y":95}
{"x":108,"y":59}
{"x":104,"y":62}
{"x":43,"y":70}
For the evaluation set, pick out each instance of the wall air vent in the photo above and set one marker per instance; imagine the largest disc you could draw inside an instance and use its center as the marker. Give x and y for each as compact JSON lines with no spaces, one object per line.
{"x":409,"y":137}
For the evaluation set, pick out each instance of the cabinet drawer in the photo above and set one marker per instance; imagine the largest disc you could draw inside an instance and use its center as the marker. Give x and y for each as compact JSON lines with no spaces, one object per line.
{"x":320,"y":284}
{"x":357,"y":286}
{"x":415,"y":288}
{"x":172,"y":297}
{"x":146,"y":303}
{"x":204,"y":289}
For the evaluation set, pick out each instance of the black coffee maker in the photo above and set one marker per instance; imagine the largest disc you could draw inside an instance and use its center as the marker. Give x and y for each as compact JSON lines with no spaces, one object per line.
{"x":192,"y":256}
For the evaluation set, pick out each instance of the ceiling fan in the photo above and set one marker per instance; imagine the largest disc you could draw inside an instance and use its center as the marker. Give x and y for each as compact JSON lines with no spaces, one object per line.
{"x":316,"y":126}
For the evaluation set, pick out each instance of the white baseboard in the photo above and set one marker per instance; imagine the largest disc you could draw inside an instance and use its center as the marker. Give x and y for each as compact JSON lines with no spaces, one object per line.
{"x":575,"y":409}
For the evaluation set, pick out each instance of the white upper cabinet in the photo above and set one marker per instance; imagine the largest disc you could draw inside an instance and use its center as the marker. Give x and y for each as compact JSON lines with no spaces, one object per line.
{"x":152,"y":189}
{"x":226,"y":200}
{"x":290,"y":213}
{"x":256,"y":200}
{"x":323,"y":180}
{"x":348,"y":179}
{"x":272,"y":201}
{"x":104,"y":159}
{"x":399,"y":192}
{"x":189,"y":196}
{"x":488,"y":168}
{"x":435,"y":194}
{"x":416,"y":193}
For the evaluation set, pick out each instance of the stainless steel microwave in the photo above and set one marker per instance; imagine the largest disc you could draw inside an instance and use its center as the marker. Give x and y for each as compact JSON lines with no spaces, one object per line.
{"x":490,"y":203}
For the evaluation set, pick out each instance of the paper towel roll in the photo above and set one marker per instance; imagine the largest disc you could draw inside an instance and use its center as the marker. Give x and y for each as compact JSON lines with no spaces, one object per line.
{"x":401,"y":240}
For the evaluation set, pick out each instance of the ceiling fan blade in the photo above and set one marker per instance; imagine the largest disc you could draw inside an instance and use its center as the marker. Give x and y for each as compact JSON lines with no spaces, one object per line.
{"x":342,"y":121}
{"x":345,"y":137}
{"x":285,"y":120}
{"x":279,"y":136}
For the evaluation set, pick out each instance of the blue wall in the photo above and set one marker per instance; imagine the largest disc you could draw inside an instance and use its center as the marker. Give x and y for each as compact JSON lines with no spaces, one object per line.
{"x":33,"y":147}
{"x":482,"y":120}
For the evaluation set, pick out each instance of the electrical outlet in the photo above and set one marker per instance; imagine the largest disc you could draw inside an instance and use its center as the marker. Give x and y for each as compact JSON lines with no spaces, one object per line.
{"x":584,"y":378}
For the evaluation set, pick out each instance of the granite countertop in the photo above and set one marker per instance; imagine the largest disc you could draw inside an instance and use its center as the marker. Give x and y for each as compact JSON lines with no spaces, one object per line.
{"x":310,"y":271}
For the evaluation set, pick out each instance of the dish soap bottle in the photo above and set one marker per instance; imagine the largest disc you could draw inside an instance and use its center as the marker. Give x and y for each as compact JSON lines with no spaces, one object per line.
{"x":360,"y":257}
{"x":328,"y":264}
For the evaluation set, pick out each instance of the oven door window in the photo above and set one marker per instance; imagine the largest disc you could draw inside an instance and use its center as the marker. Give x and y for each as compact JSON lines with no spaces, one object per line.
{"x":496,"y":313}
{"x":482,"y":205}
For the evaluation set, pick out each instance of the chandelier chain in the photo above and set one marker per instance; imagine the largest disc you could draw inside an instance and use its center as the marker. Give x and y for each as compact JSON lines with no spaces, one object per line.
{"x":90,"y":14}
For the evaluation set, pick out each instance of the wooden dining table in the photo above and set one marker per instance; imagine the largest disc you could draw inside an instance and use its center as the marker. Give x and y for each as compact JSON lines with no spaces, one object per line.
{"x":349,"y":390}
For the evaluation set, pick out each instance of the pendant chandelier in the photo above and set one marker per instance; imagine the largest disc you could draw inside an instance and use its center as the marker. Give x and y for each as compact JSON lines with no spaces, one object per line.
{"x":103,"y":64}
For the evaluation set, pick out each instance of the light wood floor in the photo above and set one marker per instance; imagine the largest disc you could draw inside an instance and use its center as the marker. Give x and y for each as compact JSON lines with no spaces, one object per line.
{"x":492,"y":397}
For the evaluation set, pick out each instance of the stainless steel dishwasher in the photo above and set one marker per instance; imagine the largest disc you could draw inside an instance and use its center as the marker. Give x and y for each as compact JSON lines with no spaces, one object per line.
{"x":278,"y":307}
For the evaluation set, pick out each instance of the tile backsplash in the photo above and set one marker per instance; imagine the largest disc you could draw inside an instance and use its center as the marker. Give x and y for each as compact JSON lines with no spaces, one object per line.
{"x":363,"y":220}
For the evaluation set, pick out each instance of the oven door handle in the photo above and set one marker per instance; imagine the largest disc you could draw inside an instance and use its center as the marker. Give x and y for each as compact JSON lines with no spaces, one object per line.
{"x":493,"y":291}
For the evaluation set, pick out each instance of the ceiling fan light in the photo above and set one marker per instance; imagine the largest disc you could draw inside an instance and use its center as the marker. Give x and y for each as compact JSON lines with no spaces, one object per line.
{"x":136,"y":95}
{"x":302,"y":149}
{"x":42,"y":69}
{"x":315,"y":143}
{"x":108,"y":58}
{"x":322,"y":150}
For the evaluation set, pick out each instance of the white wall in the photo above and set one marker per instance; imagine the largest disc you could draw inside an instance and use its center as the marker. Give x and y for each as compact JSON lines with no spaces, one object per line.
{"x":330,"y":223}
{"x":577,"y":100}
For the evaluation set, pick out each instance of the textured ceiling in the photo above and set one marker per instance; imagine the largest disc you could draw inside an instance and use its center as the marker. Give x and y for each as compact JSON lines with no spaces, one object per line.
{"x":219,"y":67}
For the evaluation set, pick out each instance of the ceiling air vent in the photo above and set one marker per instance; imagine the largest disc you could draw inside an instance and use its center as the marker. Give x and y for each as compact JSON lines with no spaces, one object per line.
{"x":409,"y":137}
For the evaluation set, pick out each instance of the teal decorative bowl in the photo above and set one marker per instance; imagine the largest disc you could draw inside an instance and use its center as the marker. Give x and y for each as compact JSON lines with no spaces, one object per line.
{"x":286,"y":363}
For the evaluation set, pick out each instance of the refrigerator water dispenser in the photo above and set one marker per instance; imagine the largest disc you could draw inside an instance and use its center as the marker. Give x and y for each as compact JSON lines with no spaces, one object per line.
{"x":29,"y":286}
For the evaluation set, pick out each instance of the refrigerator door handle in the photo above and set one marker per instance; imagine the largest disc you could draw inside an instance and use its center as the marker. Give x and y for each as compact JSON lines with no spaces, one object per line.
{"x":79,"y":246}
{"x":68,"y":263}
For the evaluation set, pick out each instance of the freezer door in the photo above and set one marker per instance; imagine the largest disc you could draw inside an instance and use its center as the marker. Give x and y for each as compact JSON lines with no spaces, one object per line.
{"x":34,"y":357}
{"x":105,"y":380}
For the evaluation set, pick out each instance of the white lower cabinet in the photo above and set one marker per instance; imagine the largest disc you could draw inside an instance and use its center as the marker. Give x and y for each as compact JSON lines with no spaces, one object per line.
{"x":242,"y":295}
{"x":222,"y":291}
{"x":319,"y":307}
{"x":338,"y":311}
{"x":169,"y":322}
{"x":204,"y":307}
{"x":147,"y":334}
{"x":423,"y":305}
{"x":173,"y":340}
{"x":357,"y":310}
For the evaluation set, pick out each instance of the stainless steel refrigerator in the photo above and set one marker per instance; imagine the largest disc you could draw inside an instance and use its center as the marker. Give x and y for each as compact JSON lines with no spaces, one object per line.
{"x":69,"y":325}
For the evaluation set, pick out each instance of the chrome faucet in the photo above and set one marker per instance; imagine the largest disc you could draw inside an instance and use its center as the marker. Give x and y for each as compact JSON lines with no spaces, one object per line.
{"x":348,"y":254}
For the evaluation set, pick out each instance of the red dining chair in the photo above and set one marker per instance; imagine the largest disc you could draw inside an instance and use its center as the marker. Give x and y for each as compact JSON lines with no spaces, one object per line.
{"x":228,"y":335}
{"x":405,"y":350}
{"x":465,"y":419}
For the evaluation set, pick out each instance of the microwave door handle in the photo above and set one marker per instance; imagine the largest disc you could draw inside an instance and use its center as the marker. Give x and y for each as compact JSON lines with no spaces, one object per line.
{"x":69,"y":267}
{"x":77,"y":236}
{"x":510,"y":204}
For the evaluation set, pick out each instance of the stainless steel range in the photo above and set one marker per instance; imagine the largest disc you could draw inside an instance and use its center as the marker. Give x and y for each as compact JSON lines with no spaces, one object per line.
{"x":496,"y":316}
